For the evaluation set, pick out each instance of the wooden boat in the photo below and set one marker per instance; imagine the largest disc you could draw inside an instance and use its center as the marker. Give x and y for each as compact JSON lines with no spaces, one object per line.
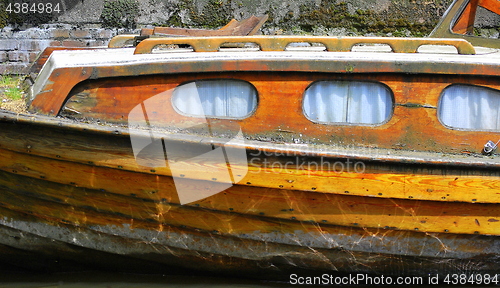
{"x":261,"y":161}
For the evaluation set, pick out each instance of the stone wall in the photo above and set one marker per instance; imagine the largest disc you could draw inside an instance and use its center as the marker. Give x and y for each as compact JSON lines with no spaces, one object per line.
{"x":80,"y":22}
{"x":18,"y":49}
{"x":200,"y":12}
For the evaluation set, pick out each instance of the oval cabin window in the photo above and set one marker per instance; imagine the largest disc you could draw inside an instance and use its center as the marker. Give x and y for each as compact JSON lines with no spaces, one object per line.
{"x":348,"y":102}
{"x":470,"y":107}
{"x":221,"y":98}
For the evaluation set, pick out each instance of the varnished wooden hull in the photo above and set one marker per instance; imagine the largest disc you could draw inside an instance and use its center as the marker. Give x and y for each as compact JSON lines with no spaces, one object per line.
{"x":73,"y":192}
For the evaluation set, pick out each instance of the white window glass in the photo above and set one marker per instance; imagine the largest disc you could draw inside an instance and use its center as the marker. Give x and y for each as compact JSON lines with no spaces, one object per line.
{"x":470,"y":107}
{"x":352,"y":102}
{"x":223,"y":98}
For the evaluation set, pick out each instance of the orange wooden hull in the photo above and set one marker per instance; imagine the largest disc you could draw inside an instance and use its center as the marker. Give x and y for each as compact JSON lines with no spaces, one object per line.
{"x":79,"y":186}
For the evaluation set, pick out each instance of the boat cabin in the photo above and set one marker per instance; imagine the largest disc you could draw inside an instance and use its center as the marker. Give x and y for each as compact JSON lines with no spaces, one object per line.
{"x":428,"y":95}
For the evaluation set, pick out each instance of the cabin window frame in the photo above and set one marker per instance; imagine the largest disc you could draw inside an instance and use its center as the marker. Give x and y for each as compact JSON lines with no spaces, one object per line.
{"x":452,"y":127}
{"x":249,"y":114}
{"x":388,"y":118}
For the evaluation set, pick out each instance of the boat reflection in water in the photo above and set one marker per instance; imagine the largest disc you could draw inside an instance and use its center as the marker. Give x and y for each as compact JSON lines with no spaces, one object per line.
{"x":262,"y":159}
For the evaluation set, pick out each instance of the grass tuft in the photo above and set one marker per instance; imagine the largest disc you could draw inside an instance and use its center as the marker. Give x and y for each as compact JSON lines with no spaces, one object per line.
{"x":12,"y":96}
{"x":13,"y":93}
{"x":10,"y":85}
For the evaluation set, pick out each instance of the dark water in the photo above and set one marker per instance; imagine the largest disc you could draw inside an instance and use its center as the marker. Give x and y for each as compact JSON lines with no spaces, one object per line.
{"x":120,"y":280}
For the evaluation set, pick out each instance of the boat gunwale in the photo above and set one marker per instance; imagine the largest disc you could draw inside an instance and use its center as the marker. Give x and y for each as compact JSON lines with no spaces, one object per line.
{"x":306,"y":149}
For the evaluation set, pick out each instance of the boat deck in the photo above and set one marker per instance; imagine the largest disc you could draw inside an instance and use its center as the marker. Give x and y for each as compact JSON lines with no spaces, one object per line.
{"x":374,"y":53}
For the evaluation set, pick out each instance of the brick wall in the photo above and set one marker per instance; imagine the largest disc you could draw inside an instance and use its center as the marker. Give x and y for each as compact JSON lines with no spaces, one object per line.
{"x":18,"y":49}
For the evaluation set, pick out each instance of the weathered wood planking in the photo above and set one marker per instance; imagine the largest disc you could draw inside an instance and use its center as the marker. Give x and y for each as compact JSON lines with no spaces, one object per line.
{"x":407,"y":181}
{"x":284,"y":202}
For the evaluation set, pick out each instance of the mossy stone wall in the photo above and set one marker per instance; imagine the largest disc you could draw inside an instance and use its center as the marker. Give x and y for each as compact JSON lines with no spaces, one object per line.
{"x":358,"y":17}
{"x":333,"y":17}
